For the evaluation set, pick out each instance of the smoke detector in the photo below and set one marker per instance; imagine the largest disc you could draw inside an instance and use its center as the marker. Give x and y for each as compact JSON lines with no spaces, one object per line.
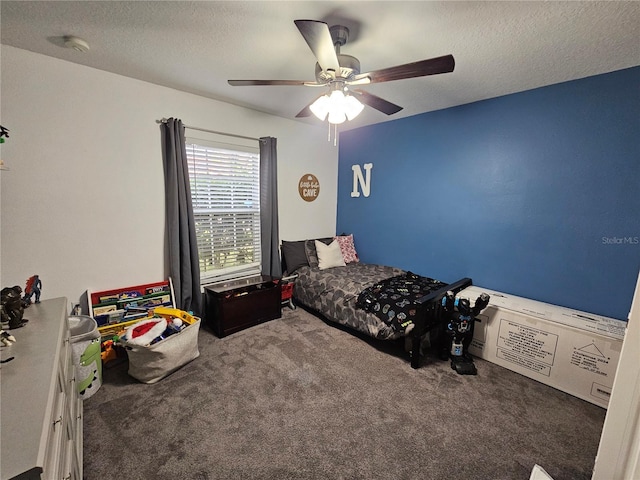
{"x":76,"y":43}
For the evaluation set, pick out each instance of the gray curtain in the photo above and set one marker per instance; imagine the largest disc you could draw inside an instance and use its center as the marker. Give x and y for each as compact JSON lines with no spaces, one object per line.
{"x":184,"y":267}
{"x":269,"y":207}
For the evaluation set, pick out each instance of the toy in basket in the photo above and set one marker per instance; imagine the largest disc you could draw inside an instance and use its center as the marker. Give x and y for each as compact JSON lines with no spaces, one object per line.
{"x":161,"y":343}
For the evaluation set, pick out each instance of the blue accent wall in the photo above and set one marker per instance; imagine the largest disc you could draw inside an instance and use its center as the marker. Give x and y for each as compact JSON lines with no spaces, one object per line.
{"x":536,"y":194}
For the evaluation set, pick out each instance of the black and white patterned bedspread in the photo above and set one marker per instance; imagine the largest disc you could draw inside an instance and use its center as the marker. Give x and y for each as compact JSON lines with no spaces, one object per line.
{"x":333,"y":292}
{"x":394,"y":300}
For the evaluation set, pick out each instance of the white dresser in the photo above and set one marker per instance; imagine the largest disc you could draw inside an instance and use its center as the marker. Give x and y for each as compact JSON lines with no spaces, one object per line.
{"x":40,"y":410}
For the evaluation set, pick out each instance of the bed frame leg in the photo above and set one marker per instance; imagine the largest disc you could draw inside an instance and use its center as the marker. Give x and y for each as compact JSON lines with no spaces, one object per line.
{"x":428,"y":316}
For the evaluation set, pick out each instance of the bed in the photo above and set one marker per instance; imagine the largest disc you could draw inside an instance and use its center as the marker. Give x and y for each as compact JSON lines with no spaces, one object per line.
{"x":383,"y":302}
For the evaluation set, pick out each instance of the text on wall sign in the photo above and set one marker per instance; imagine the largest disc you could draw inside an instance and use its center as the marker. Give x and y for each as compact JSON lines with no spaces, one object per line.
{"x":309,"y":187}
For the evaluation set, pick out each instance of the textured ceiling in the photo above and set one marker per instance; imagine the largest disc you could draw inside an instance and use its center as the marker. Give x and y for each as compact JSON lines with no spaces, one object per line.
{"x":499,"y":47}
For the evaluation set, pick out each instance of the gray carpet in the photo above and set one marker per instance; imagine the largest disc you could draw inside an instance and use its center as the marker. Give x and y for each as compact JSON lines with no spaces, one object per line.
{"x":296,"y":398}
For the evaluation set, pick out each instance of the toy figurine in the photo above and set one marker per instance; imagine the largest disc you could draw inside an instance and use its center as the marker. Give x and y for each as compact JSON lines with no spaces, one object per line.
{"x":108,"y":351}
{"x":12,"y":308}
{"x":33,"y":288}
{"x":459,"y":318}
{"x":4,"y":132}
{"x":6,"y":338}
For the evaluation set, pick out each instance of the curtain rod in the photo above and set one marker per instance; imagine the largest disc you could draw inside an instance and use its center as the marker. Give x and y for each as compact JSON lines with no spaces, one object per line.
{"x":164,"y":120}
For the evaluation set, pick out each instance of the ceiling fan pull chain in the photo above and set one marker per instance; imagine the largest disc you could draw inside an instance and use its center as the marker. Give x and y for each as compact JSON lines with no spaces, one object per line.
{"x":335,"y":134}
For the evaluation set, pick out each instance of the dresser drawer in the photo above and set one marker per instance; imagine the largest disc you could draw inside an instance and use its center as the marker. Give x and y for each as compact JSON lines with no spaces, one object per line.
{"x":78,"y":435}
{"x":57,"y":427}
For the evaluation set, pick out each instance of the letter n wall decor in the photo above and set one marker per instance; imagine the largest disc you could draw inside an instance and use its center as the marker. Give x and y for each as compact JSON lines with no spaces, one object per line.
{"x":363,"y":181}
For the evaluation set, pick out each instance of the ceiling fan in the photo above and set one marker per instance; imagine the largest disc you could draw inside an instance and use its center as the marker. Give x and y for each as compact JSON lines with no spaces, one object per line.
{"x":339,"y":72}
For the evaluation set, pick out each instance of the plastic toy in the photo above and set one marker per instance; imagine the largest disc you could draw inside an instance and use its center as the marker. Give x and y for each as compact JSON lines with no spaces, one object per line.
{"x":107,"y":351}
{"x":33,"y":287}
{"x":161,"y":322}
{"x":12,"y":308}
{"x":459,"y":320}
{"x":4,"y":132}
{"x":144,"y":332}
{"x":171,"y":313}
{"x":6,"y":338}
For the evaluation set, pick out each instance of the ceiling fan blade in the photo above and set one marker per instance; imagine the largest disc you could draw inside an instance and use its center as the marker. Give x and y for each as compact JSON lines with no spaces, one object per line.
{"x":359,"y":81}
{"x":376,"y":102}
{"x":432,"y":66}
{"x":249,"y":83}
{"x":305,"y":112}
{"x":318,"y":38}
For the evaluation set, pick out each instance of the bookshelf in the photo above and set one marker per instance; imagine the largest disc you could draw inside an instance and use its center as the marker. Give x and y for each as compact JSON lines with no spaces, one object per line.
{"x":118,"y":308}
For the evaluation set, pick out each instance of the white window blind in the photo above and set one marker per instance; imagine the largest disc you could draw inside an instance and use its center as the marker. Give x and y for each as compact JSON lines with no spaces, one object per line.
{"x":225,"y":192}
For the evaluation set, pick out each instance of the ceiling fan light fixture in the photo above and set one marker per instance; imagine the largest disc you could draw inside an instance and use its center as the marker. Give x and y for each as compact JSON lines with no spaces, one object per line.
{"x":337,"y":106}
{"x":352,"y":107}
{"x":336,"y":117}
{"x":320,"y":108}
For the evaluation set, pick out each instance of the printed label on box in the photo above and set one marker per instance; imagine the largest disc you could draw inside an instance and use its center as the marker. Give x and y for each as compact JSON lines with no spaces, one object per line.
{"x":527,"y":342}
{"x":590,"y":358}
{"x":524,"y":362}
{"x":601,"y":391}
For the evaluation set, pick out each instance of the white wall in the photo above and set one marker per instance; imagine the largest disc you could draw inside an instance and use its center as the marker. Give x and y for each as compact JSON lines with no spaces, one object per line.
{"x":82,"y":204}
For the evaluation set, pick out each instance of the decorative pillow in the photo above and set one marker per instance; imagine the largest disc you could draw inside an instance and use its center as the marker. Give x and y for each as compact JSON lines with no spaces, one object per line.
{"x":310,"y":249}
{"x":294,"y":255}
{"x":347,"y":248}
{"x":329,"y":256}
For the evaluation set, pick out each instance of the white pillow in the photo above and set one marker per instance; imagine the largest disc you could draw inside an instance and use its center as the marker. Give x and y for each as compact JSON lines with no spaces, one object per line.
{"x":329,"y":255}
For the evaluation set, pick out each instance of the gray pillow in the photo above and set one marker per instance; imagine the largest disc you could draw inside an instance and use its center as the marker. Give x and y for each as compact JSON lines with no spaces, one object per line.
{"x":294,"y":255}
{"x":310,"y":249}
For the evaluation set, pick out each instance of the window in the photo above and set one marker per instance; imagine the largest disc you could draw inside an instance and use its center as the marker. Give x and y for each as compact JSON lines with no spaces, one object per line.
{"x":225,"y":192}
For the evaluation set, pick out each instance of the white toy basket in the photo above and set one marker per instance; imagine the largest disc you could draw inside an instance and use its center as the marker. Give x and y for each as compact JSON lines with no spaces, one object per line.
{"x":152,"y":363}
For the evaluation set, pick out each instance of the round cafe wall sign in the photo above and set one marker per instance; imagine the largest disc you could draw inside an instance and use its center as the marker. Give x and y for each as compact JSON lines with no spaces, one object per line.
{"x":309,"y":187}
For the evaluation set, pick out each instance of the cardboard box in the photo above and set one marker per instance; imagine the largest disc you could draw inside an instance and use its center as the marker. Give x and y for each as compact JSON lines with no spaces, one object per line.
{"x":570,"y":350}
